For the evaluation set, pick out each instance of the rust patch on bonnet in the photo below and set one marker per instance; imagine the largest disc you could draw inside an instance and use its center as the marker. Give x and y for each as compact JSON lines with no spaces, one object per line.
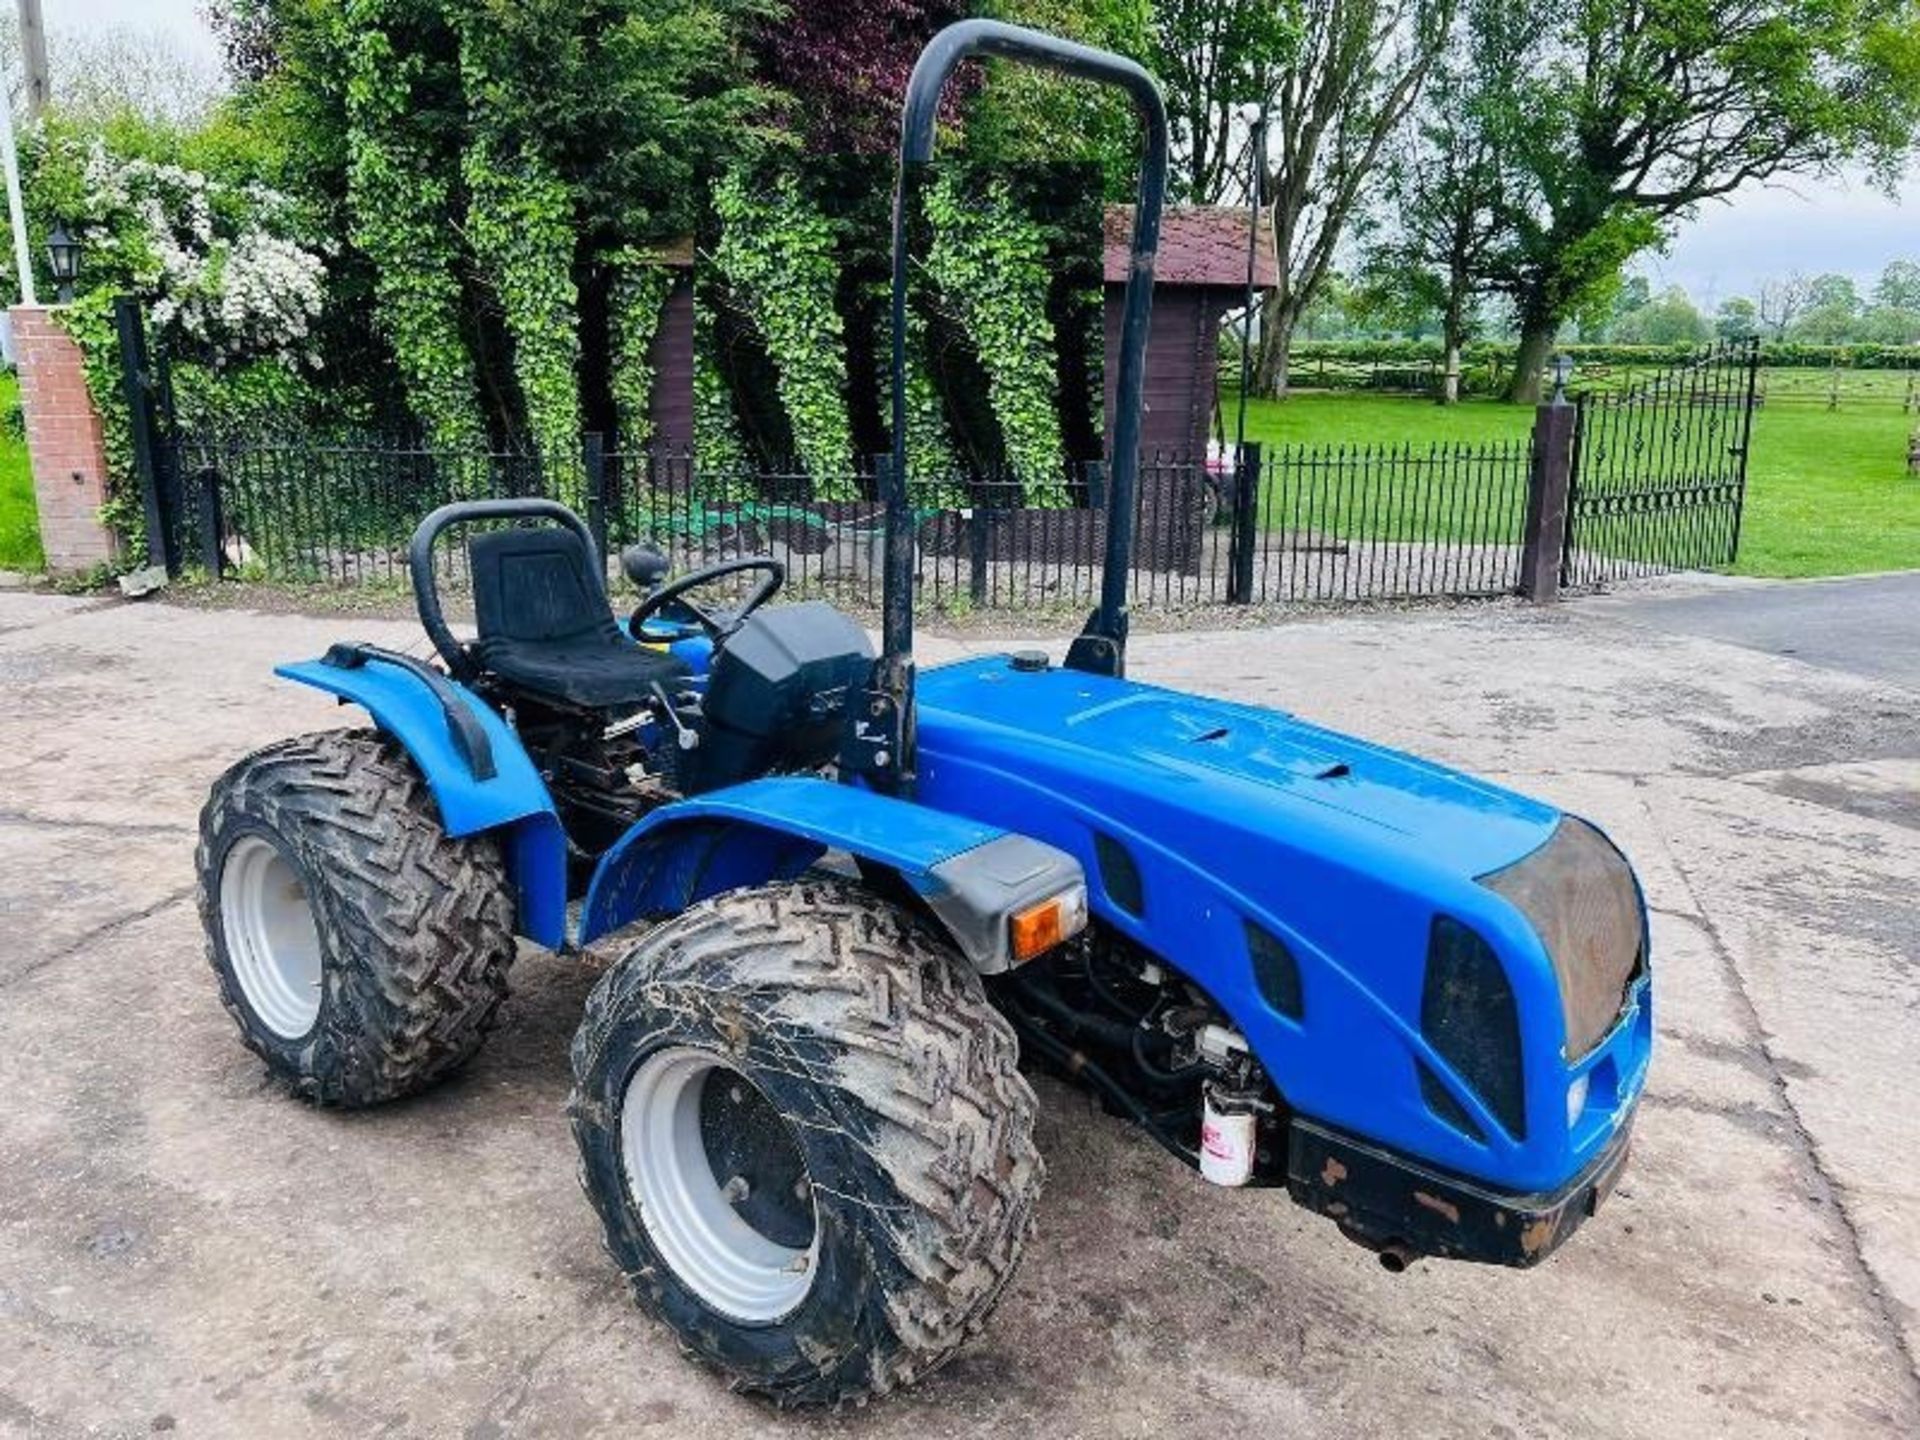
{"x":1333,"y":1173}
{"x":1439,"y":1206}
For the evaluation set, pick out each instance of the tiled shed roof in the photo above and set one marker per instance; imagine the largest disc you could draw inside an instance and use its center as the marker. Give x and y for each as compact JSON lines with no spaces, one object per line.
{"x":1199,"y":245}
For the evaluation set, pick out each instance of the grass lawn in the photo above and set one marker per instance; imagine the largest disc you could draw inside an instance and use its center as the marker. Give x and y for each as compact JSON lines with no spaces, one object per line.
{"x":19,"y":525}
{"x":1476,"y":492}
{"x":1827,"y":492}
{"x":1341,"y":419}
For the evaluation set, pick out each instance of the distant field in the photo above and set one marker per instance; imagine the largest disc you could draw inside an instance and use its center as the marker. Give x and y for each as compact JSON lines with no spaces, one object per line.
{"x":1838,"y":389}
{"x":1827,"y":493}
{"x":19,"y":526}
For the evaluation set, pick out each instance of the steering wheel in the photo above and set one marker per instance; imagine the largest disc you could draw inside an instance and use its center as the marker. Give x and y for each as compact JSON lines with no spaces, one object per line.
{"x":718,"y":624}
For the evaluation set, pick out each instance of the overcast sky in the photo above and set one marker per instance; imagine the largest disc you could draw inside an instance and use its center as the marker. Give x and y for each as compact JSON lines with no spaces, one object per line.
{"x":1729,"y":249}
{"x":1847,"y":228}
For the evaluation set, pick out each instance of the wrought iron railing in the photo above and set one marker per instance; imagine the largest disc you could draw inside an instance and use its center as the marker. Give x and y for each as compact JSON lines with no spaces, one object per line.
{"x":1292,"y":524}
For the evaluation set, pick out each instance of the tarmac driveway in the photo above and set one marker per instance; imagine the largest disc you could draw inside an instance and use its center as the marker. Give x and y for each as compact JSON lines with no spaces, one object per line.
{"x":1866,"y":624}
{"x":182,"y":1248}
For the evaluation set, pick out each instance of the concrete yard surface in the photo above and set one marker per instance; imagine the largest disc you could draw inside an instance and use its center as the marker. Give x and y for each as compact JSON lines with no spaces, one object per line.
{"x":185,"y":1249}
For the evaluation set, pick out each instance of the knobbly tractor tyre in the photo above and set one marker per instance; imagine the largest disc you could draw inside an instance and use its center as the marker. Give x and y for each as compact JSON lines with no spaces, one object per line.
{"x":801,"y":1125}
{"x":362,"y":952}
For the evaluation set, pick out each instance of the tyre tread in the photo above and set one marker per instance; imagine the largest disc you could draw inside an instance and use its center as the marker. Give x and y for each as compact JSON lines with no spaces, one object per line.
{"x":418,"y":926}
{"x":929,"y":1065}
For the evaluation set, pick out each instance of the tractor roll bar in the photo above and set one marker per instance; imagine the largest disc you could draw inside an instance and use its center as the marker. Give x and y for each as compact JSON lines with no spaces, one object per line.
{"x":426,"y":592}
{"x":1103,"y":645}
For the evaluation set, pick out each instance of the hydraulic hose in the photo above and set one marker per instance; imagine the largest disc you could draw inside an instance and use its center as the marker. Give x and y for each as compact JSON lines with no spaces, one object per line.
{"x":1113,"y":1001}
{"x":1155,"y":1072}
{"x":1075,"y":1063}
{"x":1079,"y":1022}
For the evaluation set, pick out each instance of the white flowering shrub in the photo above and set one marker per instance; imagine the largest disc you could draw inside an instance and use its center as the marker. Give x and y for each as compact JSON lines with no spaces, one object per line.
{"x":230,"y":283}
{"x":218,"y":264}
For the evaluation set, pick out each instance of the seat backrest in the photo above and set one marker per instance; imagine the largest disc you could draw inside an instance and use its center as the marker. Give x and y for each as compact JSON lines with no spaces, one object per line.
{"x":535,"y":585}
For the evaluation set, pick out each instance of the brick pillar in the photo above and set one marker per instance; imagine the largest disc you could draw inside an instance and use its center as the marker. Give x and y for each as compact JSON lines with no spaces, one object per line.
{"x":65,"y":440}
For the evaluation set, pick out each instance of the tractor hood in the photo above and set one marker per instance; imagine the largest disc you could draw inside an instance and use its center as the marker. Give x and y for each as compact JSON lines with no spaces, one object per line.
{"x":1238,"y":766}
{"x":1300,"y":876}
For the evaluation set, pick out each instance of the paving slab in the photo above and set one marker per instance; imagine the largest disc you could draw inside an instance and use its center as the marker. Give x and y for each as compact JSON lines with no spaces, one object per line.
{"x":183,"y":1248}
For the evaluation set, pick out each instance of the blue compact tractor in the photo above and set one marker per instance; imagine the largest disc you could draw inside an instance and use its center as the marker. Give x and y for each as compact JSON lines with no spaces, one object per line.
{"x":842,"y":903}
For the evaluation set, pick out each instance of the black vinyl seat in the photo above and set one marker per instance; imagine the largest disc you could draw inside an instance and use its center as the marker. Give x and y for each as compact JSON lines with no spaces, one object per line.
{"x":546,"y":626}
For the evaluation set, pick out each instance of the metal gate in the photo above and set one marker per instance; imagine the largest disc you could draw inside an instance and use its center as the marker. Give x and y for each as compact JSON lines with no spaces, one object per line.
{"x":180,"y":520}
{"x":1660,"y":470}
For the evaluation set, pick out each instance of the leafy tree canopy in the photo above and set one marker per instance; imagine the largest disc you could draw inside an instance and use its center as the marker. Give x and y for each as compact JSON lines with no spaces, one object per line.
{"x":1633,"y":112}
{"x":1020,"y":115}
{"x":843,"y":66}
{"x":1215,"y":59}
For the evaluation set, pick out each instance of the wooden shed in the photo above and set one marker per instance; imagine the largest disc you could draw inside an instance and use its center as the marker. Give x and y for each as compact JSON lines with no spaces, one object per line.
{"x":1200,"y":274}
{"x":671,"y":354}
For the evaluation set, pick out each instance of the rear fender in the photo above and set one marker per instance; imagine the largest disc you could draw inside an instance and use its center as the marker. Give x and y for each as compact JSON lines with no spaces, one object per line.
{"x":972,"y":876}
{"x":512,"y":799}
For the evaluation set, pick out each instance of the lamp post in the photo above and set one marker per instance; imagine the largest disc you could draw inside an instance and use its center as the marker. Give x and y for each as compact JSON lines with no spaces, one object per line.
{"x":1562,"y":372}
{"x":1256,"y":117}
{"x":63,"y":254}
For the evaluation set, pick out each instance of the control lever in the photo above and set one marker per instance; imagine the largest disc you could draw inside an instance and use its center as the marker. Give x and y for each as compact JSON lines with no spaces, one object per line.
{"x":645,"y":567}
{"x":688,"y":739}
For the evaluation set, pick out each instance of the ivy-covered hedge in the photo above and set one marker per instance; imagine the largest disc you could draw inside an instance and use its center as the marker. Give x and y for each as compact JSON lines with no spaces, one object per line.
{"x":401,"y":184}
{"x":1004,"y":348}
{"x":776,"y":252}
{"x":640,"y":289}
{"x":989,"y":263}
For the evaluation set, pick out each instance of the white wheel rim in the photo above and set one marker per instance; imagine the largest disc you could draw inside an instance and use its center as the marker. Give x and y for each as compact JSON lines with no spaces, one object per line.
{"x":690,"y":1218}
{"x":273,"y":944}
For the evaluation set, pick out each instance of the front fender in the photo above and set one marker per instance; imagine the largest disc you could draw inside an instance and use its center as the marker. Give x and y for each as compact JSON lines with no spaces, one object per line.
{"x":973,"y":876}
{"x":513,"y":799}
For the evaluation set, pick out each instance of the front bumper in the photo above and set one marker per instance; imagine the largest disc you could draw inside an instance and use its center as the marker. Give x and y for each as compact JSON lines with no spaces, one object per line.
{"x":1402,"y":1209}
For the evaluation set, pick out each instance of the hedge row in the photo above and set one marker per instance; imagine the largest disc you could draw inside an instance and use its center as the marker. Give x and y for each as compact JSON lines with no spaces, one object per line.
{"x":1491,"y":354}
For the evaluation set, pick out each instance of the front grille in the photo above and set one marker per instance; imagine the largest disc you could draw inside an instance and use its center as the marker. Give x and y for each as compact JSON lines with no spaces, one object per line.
{"x":1469,"y":1016}
{"x":1579,"y":895}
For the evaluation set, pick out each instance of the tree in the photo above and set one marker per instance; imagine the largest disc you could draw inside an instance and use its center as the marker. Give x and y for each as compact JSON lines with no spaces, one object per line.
{"x":1837,"y":293}
{"x":1214,"y":58}
{"x":1738,"y":318}
{"x":1832,"y":313}
{"x":1448,"y":181}
{"x":1018,"y":115}
{"x":843,"y":67}
{"x":1634,"y":292}
{"x":1898,"y":287}
{"x":1636,"y":111}
{"x":1373,"y":305}
{"x":1781,"y":302}
{"x":252,"y":35}
{"x":1669,"y":318}
{"x":1355,"y":74}
{"x":1890,"y":325}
